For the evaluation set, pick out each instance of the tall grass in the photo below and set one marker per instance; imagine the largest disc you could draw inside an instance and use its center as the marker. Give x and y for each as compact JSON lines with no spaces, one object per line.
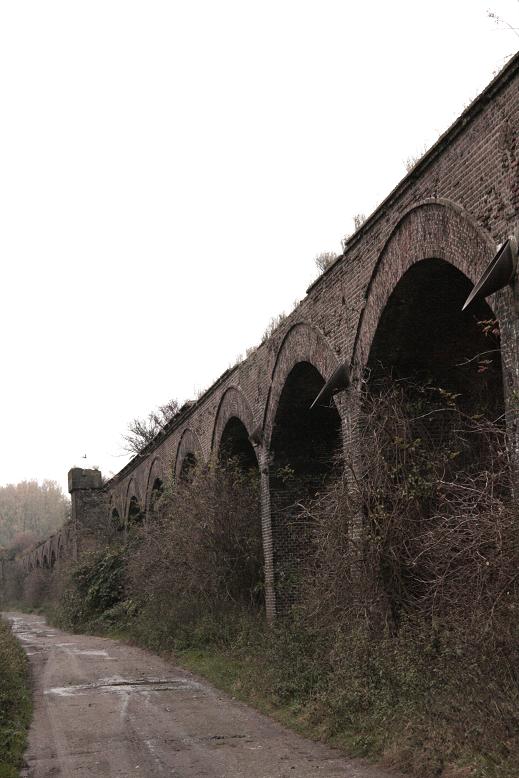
{"x":15,"y":702}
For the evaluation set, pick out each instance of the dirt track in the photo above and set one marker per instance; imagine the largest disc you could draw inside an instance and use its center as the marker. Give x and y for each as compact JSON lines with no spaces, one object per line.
{"x":102,"y":708}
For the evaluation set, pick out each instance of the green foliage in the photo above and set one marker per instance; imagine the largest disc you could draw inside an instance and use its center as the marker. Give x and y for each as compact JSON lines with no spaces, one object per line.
{"x":15,"y":703}
{"x":93,"y":587}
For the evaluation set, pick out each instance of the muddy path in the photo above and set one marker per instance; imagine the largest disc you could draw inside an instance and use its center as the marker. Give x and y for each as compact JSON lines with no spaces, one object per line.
{"x":102,"y":708}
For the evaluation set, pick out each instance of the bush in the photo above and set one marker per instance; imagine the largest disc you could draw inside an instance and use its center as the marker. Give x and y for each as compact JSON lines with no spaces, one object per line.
{"x":198,"y":556}
{"x":414,"y":583}
{"x":90,"y":588}
{"x":202,"y":555}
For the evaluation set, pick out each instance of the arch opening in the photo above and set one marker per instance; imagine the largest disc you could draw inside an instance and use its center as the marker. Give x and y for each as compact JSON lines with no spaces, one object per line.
{"x":236,"y":446}
{"x":238,"y":474}
{"x":115,"y":520}
{"x":423,"y":336}
{"x":188,"y":467}
{"x":433,"y":413}
{"x":157,"y":490}
{"x":135,"y":514}
{"x":305,"y":455}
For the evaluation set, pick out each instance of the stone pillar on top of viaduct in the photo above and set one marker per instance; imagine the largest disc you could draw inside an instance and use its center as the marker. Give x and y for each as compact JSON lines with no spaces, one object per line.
{"x":88,"y":508}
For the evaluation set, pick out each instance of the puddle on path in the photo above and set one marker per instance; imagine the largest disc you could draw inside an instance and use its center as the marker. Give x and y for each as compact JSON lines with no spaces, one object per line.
{"x":95,"y":652}
{"x":123,"y":686}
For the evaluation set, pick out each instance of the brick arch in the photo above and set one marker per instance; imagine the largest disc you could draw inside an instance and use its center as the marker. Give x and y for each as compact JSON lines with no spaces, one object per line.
{"x":117,"y":502}
{"x":132,"y":490}
{"x":434,"y":229}
{"x":232,"y":404}
{"x":189,"y":444}
{"x":302,"y":343}
{"x":157,"y":470}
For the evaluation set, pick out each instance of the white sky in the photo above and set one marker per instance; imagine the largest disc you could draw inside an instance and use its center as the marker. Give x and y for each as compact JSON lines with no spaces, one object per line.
{"x":168,"y":172}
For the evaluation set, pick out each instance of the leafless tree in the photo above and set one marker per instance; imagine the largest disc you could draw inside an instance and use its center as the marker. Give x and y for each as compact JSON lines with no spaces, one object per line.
{"x":325,"y":260}
{"x":141,"y":432}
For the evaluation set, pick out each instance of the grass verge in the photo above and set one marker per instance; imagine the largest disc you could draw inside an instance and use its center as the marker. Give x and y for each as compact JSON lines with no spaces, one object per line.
{"x":15,"y":702}
{"x":403,"y":704}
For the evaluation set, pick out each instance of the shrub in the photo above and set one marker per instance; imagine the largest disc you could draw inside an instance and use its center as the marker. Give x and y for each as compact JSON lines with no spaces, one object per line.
{"x":414,"y":582}
{"x":202,"y":554}
{"x":91,"y":587}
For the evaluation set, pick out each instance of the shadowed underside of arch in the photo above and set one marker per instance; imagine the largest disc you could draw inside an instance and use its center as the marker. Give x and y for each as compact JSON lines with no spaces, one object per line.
{"x":154,"y":483}
{"x":305,"y":452}
{"x":135,"y":513}
{"x":303,"y":446}
{"x":433,"y":230}
{"x":235,"y":445}
{"x":233,"y":405}
{"x":302,"y":343}
{"x":424,"y":336}
{"x":132,"y":491}
{"x":189,"y":454}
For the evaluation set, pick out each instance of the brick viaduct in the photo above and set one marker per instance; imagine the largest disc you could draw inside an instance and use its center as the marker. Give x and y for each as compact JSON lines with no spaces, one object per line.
{"x":394,"y":294}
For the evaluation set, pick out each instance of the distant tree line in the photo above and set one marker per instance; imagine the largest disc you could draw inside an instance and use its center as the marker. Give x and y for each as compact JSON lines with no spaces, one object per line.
{"x":29,"y":512}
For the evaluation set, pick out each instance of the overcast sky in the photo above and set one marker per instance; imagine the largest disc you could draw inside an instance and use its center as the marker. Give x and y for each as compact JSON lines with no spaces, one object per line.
{"x":168,"y":172}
